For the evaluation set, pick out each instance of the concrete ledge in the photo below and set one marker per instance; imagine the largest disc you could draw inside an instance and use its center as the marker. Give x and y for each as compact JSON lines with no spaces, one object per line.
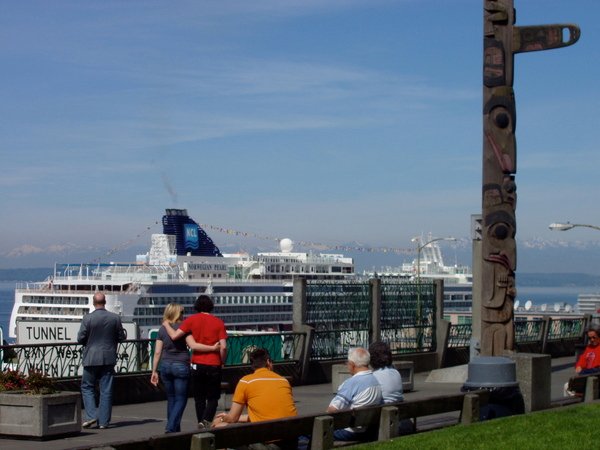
{"x":407,"y":372}
{"x":534,"y":375}
{"x":456,"y":374}
{"x":339,"y":374}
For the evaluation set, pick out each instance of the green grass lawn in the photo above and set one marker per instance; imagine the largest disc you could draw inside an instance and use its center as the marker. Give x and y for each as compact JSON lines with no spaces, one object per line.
{"x":575,"y":427}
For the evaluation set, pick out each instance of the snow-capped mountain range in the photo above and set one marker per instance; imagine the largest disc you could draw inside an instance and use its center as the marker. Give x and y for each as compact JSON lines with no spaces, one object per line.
{"x":534,"y":255}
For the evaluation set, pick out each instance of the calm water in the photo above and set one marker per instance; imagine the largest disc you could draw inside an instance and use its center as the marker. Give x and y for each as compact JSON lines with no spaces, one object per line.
{"x":7,"y":297}
{"x":537,"y":295}
{"x":552,"y":295}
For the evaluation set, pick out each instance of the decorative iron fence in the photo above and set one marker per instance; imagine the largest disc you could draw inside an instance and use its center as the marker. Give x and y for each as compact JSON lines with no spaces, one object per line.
{"x":135,"y":356}
{"x":459,"y":335}
{"x":282,"y":347}
{"x":64,"y":360}
{"x":526,"y":331}
{"x":408,"y":319}
{"x":340,"y":313}
{"x":331,"y":340}
{"x":566,"y":328}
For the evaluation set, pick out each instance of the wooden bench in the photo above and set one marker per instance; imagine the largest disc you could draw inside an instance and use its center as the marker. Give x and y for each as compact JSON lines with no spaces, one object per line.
{"x":225,"y":388}
{"x":585,"y":386}
{"x":382,"y":421}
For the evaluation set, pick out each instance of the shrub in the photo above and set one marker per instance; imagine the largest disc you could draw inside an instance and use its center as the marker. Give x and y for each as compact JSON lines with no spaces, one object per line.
{"x":12,"y":380}
{"x":34,"y":383}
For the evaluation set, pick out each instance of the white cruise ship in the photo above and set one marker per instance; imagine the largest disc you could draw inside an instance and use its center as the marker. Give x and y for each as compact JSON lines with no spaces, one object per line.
{"x":458,"y":279}
{"x":250,"y":292}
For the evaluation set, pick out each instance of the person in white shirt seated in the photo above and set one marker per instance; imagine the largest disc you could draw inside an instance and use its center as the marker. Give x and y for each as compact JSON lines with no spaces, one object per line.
{"x":388,"y":377}
{"x":361,"y":389}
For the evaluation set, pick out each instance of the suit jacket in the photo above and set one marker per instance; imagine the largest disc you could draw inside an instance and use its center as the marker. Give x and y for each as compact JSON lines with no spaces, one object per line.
{"x":100,"y":332}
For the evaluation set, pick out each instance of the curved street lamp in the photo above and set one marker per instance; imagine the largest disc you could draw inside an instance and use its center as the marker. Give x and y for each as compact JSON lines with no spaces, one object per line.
{"x":558,"y":226}
{"x":422,"y":246}
{"x":419,"y":304}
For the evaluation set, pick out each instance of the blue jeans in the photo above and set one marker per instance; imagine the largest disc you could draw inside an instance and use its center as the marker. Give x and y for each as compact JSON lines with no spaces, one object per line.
{"x":344,"y":434}
{"x":104,"y":375}
{"x":175,"y":377}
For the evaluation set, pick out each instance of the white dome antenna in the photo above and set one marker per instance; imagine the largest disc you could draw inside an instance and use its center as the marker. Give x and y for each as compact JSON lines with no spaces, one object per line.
{"x":286,"y":245}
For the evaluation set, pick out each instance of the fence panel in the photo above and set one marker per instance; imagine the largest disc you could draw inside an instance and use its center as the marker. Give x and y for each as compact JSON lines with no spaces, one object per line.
{"x":135,"y":356}
{"x":408,"y":316}
{"x":340,"y":313}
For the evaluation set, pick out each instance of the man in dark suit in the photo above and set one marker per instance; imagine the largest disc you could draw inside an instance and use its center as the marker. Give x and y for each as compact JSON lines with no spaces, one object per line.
{"x":100,"y":332}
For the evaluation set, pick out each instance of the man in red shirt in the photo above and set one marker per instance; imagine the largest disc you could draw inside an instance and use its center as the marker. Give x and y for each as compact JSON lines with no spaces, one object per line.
{"x":206,"y":366}
{"x":589,"y":361}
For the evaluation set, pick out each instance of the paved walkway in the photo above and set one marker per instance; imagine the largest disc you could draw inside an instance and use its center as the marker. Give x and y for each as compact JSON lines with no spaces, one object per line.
{"x":148,"y":419}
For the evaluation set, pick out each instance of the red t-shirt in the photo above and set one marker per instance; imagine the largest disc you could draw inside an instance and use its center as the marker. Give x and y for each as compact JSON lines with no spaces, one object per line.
{"x":206,"y":329}
{"x":590,"y":358}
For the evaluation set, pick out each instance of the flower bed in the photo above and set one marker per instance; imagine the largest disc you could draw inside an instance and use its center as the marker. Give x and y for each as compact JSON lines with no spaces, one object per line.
{"x":30,"y":407}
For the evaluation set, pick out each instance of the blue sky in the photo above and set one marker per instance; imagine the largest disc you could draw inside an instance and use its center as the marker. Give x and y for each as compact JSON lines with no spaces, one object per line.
{"x":324,"y":121}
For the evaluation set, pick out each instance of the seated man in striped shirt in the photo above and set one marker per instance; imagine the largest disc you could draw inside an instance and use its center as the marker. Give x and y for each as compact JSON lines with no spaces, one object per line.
{"x":361,"y":389}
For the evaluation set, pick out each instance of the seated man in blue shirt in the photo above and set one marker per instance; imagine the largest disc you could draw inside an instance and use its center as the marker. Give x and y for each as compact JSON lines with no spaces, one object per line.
{"x":361,"y":389}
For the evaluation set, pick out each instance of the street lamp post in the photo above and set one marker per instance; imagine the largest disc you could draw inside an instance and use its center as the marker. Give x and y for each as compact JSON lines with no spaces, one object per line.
{"x":558,"y":226}
{"x":420,"y":248}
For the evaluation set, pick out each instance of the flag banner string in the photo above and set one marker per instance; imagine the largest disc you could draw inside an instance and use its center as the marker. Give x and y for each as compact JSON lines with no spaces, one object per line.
{"x":231,"y":232}
{"x":316,"y":245}
{"x":128,"y":243}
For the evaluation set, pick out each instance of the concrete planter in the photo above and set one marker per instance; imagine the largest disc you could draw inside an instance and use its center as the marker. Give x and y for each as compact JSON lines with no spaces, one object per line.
{"x":40,"y":416}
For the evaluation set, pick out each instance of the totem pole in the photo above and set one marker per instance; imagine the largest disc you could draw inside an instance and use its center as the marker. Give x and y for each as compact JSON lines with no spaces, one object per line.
{"x":501,"y":40}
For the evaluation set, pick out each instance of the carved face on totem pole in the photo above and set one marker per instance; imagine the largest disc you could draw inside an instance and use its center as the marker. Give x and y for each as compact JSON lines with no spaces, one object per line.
{"x":499,"y":222}
{"x":499,"y":263}
{"x":501,"y":41}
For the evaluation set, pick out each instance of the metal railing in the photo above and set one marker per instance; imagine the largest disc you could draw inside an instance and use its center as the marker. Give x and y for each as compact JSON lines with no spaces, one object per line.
{"x":408,"y":320}
{"x":566,"y":328}
{"x":341,"y":314}
{"x":459,"y":335}
{"x":282,"y":347}
{"x":135,"y":356}
{"x":64,"y":360}
{"x":528,"y":331}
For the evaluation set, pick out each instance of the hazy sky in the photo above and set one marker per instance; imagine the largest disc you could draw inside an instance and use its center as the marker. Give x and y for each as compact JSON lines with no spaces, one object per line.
{"x":319,"y":120}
